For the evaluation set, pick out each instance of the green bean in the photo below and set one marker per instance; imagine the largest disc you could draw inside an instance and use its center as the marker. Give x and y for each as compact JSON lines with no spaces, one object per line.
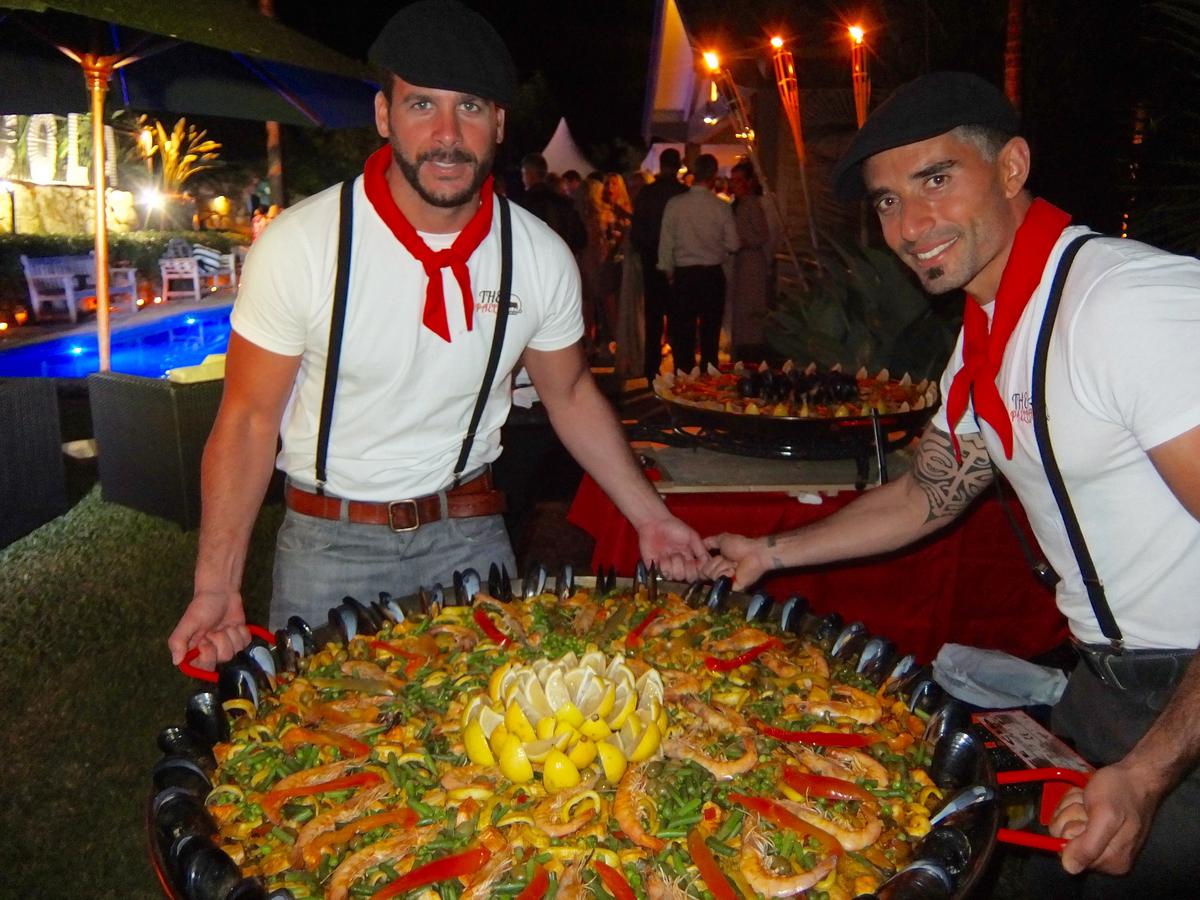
{"x":281,"y":835}
{"x":731,"y":826}
{"x":720,"y":848}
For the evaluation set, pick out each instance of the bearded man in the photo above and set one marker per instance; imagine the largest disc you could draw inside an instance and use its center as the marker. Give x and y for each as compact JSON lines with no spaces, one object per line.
{"x":374,"y":333}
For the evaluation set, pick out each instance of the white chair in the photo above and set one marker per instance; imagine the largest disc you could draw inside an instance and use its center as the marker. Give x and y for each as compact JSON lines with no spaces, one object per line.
{"x":203,"y":268}
{"x":65,"y":281}
{"x":180,"y":277}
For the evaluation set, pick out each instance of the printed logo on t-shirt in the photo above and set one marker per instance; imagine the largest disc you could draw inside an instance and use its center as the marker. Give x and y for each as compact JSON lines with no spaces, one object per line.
{"x":489,"y":302}
{"x":1021,"y":409}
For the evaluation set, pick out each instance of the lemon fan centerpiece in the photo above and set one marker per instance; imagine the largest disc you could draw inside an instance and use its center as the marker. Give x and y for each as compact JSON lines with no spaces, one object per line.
{"x":558,"y":718}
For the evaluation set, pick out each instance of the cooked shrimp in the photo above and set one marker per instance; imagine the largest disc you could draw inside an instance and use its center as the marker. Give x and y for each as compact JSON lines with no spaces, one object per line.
{"x":585,"y":617}
{"x":760,"y":877}
{"x":327,"y":821}
{"x":556,"y":814}
{"x":844,"y":763}
{"x":850,"y":834}
{"x":480,"y":883}
{"x":361,"y":668}
{"x":678,"y":685}
{"x":469,"y":776}
{"x":570,"y":885}
{"x":718,"y":718}
{"x":318,"y":774}
{"x":857,"y":705}
{"x":659,"y":887}
{"x":670,"y":621}
{"x":721,"y":769}
{"x":742,"y":639}
{"x":390,"y":848}
{"x":627,"y":807}
{"x":464,"y":637}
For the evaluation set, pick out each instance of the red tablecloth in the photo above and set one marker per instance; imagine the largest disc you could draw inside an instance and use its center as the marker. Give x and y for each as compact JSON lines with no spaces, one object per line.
{"x":970,"y":584}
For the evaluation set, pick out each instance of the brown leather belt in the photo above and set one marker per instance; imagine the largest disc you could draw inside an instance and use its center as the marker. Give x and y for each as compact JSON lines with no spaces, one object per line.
{"x":477,"y":497}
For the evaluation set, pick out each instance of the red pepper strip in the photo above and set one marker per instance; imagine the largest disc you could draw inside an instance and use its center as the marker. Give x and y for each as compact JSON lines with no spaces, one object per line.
{"x":785,"y":818}
{"x":634,"y":638}
{"x":716,"y":664}
{"x":453,"y":866}
{"x":714,"y":878}
{"x":536,"y":889}
{"x":816,"y":738}
{"x":405,"y":818}
{"x":274,"y":800}
{"x":484,"y":621}
{"x":415,"y":660}
{"x":295,"y":737}
{"x":824,"y":786}
{"x":614,"y":881}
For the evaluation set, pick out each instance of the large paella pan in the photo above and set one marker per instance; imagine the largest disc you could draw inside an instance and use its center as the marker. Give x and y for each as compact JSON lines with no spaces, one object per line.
{"x":587,"y":739}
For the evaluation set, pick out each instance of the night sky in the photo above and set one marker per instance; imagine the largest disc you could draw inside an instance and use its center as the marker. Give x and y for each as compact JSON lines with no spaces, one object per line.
{"x":1087,"y":67}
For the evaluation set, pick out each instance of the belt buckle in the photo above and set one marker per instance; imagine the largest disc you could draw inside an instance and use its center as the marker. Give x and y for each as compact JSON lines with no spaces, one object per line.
{"x":416,"y":514}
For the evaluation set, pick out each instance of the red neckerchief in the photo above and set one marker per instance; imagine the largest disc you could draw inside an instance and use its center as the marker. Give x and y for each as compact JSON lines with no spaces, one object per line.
{"x":983,"y":351}
{"x":455,"y":256}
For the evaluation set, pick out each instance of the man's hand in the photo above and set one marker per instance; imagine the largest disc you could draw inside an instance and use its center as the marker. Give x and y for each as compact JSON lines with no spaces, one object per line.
{"x":1107,"y":822}
{"x":675,"y":546}
{"x":216,"y":623}
{"x":746,"y":559}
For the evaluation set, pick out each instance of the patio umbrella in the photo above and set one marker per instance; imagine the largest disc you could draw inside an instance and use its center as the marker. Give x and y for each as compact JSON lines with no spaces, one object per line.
{"x":219,"y":57}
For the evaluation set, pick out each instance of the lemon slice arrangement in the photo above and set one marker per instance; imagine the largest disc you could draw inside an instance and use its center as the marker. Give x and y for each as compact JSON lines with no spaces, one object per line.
{"x":615,"y":743}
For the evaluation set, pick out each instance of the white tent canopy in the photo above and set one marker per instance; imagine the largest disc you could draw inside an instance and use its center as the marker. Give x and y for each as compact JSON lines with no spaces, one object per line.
{"x":562,"y":153}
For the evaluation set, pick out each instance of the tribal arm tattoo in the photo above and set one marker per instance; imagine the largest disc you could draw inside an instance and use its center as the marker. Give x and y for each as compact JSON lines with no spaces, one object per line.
{"x":948,"y":486}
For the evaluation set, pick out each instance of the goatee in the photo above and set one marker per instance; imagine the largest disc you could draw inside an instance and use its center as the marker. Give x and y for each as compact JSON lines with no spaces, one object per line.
{"x":411,"y":170}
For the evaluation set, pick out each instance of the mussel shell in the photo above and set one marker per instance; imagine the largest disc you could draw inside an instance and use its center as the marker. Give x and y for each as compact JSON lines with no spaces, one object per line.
{"x":959,"y":759}
{"x":493,"y":581}
{"x":281,"y":894}
{"x":696,"y":593}
{"x":926,"y":695}
{"x":207,"y":718}
{"x":949,"y":848}
{"x":264,"y":659}
{"x":344,"y":622}
{"x":534,"y":582}
{"x":181,"y":772}
{"x":904,"y":667}
{"x":389,"y":608}
{"x":877,"y":654}
{"x":641,"y":575}
{"x":652,"y":584}
{"x":210,"y":875}
{"x":921,"y":880}
{"x":175,"y":812}
{"x":180,"y":853}
{"x":239,"y":679}
{"x":370,"y":619}
{"x":951,"y":717}
{"x":960,"y":805}
{"x":791,"y":617}
{"x":506,"y":588}
{"x":564,"y":582}
{"x":179,"y":740}
{"x":288,"y":659}
{"x":718,"y":594}
{"x":301,"y":636}
{"x":849,"y":641}
{"x":759,"y":608}
{"x":828,"y":627}
{"x":467,"y":584}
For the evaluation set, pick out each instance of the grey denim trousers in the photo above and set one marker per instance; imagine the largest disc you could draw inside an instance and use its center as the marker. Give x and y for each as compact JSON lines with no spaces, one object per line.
{"x":320,"y":561}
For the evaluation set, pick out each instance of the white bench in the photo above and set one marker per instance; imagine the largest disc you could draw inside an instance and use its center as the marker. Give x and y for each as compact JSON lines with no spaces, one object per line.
{"x":188,"y":271}
{"x":64,"y":281}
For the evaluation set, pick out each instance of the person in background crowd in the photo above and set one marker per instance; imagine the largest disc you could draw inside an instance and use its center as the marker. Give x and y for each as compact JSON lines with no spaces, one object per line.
{"x":555,"y":210}
{"x":698,"y":234}
{"x":571,"y":181}
{"x":555,"y":183}
{"x":404,"y":495}
{"x":648,"y":209}
{"x":943,"y":166}
{"x":598,"y":269}
{"x":751,"y":263}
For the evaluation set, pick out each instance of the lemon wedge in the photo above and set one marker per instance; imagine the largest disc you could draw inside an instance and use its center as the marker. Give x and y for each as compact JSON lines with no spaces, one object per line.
{"x":476,"y":744}
{"x":518,"y":723}
{"x":514,"y":763}
{"x":538,"y":750}
{"x":647,"y":745}
{"x":607,"y":701}
{"x":558,"y":772}
{"x":595,"y":728}
{"x":569,"y":714}
{"x":556,"y":690}
{"x":545,"y":727}
{"x":583,"y":752}
{"x":498,"y":736}
{"x":489,"y":720}
{"x":625,"y":704}
{"x":496,"y":681}
{"x":612,"y":760}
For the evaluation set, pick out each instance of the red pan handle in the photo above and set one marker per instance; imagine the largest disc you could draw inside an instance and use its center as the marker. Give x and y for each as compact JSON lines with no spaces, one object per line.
{"x":1024,"y":776}
{"x":192,"y":671}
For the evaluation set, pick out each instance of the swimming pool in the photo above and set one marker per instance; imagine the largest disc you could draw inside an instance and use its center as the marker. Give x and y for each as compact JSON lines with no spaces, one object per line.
{"x":179,"y":340}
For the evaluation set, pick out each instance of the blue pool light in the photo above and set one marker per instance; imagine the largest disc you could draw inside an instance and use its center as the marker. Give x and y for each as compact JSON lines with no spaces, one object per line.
{"x":76,"y":350}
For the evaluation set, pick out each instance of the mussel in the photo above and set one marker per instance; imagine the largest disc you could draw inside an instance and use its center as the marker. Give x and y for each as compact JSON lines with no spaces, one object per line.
{"x":300,"y":637}
{"x":535,"y":580}
{"x":344,"y":622}
{"x":877,"y":654}
{"x":791,"y":617}
{"x":718,"y":594}
{"x":210,"y":875}
{"x":206,"y":718}
{"x":564,"y":582}
{"x":926,"y":695}
{"x":370,"y":619}
{"x":900,"y":671}
{"x":248,"y":889}
{"x":181,"y":772}
{"x":641,"y":575}
{"x":263,"y":658}
{"x":241,"y":678}
{"x":921,"y":880}
{"x":828,"y":628}
{"x":849,"y":641}
{"x":390,"y":607}
{"x":952,"y":716}
{"x":696,"y":593}
{"x":499,"y":584}
{"x":467,"y":584}
{"x":176,"y":812}
{"x":760,"y":606}
{"x":959,"y":759}
{"x":179,"y":740}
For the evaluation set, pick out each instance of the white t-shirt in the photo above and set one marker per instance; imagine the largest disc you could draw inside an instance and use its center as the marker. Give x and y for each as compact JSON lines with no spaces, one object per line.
{"x":404,"y":396}
{"x":1123,"y":376}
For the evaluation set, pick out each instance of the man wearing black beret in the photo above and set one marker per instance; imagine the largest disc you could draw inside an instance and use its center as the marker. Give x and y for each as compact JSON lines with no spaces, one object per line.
{"x":375,"y":330}
{"x":1076,"y":377}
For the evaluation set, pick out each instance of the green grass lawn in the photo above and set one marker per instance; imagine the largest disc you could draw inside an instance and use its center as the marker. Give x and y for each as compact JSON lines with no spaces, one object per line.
{"x":86,"y":604}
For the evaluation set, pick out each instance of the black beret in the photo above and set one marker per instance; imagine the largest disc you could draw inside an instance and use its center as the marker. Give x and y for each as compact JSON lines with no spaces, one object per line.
{"x":444,"y":45}
{"x":931,"y":105}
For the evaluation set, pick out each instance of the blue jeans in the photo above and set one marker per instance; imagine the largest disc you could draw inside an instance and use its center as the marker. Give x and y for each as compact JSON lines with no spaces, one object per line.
{"x":320,"y":561}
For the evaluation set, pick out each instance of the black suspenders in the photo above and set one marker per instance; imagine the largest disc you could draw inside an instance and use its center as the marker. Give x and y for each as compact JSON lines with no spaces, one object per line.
{"x":337,"y":323}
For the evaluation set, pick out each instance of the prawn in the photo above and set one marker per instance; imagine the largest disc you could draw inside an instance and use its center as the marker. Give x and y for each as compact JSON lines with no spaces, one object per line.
{"x":721,"y":769}
{"x":724,"y":718}
{"x":326,"y":821}
{"x":760,"y":877}
{"x":468,"y":776}
{"x":844,"y":763}
{"x":369,"y":671}
{"x":481,"y":882}
{"x":464,"y":638}
{"x":838,"y":824}
{"x":391,"y":848}
{"x":679,"y":685}
{"x":856,"y":704}
{"x":811,"y":662}
{"x":741,"y":640}
{"x":627,"y":806}
{"x":669,"y":622}
{"x":570,"y":885}
{"x":659,"y":887}
{"x":554,"y":814}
